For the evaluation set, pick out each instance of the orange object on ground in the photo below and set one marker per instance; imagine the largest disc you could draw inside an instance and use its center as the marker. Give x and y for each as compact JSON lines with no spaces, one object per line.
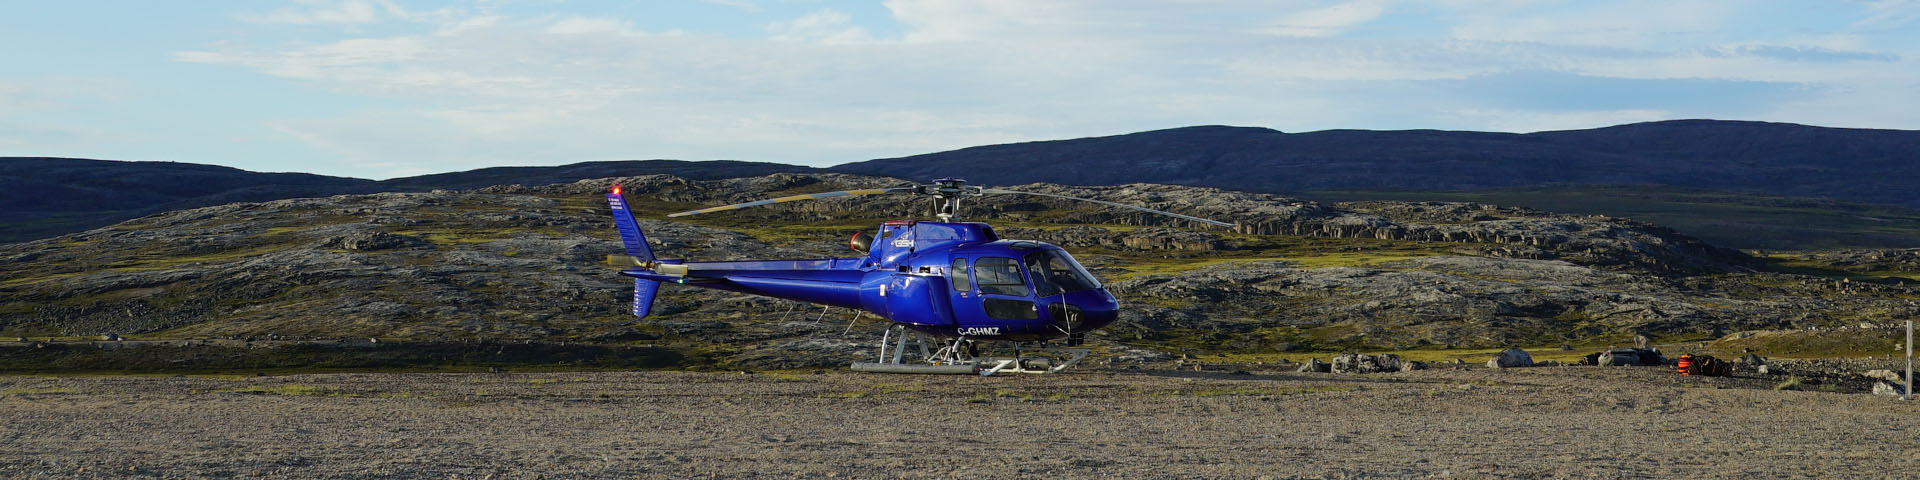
{"x":1686,"y":364}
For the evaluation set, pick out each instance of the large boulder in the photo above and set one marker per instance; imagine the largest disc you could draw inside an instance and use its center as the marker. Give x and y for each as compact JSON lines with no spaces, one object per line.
{"x":1890,"y":389}
{"x":1363,"y":363}
{"x":1617,"y":357}
{"x":1510,"y":358}
{"x":1629,"y":356}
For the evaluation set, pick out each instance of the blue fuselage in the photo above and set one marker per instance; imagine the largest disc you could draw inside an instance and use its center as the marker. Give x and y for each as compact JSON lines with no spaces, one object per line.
{"x":948,"y":279}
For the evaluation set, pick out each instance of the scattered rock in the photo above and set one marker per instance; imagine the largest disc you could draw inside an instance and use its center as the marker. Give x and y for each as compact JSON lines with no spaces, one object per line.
{"x":1131,"y":354}
{"x":1363,"y":363}
{"x":1411,"y":366}
{"x":1314,"y":365}
{"x":1765,"y":369}
{"x":1614,"y":358}
{"x":1510,"y":358}
{"x":370,"y":241}
{"x":1627,"y":356}
{"x":1882,"y":374}
{"x":1886,"y":388}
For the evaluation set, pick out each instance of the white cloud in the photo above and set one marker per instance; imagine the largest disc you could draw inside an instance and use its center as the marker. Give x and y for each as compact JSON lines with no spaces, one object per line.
{"x":1327,"y":21}
{"x":469,"y":89}
{"x":582,"y":25}
{"x":740,"y":4}
{"x":1618,"y":24}
{"x":1541,"y":121}
{"x":326,"y":12}
{"x":825,"y":26}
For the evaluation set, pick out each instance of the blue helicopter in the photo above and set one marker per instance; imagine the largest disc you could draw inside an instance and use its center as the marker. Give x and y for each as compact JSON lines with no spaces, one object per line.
{"x":948,"y":284}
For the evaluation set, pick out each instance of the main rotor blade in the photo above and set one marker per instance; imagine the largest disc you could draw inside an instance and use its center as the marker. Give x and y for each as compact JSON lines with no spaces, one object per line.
{"x":1121,"y":205}
{"x":793,"y":198}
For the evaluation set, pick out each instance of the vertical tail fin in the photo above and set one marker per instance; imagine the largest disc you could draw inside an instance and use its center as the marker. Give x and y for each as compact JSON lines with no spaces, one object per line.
{"x":630,"y":235}
{"x":636,"y":243}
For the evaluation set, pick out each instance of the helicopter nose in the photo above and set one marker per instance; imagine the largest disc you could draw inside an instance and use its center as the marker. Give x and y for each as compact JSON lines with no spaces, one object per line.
{"x":1090,"y":310}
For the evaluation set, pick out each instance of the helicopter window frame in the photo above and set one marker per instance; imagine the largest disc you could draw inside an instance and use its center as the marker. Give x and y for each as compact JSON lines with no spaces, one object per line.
{"x":1055,"y":272}
{"x":983,"y":273}
{"x":958,"y":275}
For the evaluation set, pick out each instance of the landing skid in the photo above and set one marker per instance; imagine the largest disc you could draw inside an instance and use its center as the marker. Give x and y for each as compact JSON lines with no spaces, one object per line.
{"x":961,"y":358}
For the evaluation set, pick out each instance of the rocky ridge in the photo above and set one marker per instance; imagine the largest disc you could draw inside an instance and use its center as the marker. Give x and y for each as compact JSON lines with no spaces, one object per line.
{"x":516,"y":262}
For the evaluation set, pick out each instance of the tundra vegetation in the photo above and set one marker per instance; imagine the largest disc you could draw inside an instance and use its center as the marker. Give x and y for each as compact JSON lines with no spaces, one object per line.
{"x":513,"y":276}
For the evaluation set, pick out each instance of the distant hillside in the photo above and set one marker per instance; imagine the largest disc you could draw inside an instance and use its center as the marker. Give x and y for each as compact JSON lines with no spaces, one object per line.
{"x":535,"y":176}
{"x":1748,"y":221}
{"x":1875,"y":166}
{"x":1739,"y":184}
{"x":44,"y":197}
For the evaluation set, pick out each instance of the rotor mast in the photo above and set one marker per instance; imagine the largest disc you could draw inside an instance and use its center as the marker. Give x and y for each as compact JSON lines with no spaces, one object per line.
{"x":946,"y":193}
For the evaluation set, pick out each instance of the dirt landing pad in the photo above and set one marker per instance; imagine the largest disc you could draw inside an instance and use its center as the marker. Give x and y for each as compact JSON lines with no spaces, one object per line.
{"x":1553,"y":422}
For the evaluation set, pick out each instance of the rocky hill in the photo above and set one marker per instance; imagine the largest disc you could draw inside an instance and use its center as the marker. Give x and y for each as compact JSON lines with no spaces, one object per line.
{"x":1742,"y":184}
{"x":44,"y":197}
{"x":524,"y":263}
{"x":52,"y":196}
{"x":704,"y":170}
{"x":1876,"y":166}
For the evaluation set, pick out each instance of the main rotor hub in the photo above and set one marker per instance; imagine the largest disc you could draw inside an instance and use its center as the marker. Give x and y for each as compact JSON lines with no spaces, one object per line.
{"x":946,"y":193}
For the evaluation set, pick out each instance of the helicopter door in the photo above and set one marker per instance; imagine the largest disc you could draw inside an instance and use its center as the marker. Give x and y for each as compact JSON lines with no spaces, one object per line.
{"x":919,"y":299}
{"x":997,"y":293}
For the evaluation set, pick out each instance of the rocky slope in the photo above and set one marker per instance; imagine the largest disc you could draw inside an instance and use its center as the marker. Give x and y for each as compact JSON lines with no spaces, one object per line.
{"x":524,"y":263}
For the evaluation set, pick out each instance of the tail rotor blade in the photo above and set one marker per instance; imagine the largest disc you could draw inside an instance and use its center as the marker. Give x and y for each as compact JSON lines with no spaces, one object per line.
{"x":1112,"y":204}
{"x":793,"y":198}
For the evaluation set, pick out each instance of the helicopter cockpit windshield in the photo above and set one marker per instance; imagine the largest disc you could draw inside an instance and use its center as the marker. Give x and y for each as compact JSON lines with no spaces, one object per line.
{"x":1055,"y":272}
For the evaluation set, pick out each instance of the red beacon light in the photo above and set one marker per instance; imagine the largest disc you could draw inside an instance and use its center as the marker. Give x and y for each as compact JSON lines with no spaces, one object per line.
{"x":616,"y":189}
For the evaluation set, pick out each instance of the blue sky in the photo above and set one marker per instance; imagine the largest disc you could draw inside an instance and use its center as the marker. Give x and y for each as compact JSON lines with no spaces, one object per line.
{"x":385,"y":88}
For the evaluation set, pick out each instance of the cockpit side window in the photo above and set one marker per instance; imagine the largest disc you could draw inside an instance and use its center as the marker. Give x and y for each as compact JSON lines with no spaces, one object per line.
{"x":1037,"y":266}
{"x":999,"y":276}
{"x":958,"y":276}
{"x":1055,"y":272}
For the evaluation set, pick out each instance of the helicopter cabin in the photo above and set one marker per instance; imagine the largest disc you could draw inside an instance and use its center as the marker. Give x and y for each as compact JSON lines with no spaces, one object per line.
{"x":899,"y":239}
{"x":961,"y":276}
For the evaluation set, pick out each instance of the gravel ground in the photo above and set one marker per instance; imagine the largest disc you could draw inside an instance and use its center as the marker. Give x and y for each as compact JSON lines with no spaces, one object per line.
{"x":1550,"y":422}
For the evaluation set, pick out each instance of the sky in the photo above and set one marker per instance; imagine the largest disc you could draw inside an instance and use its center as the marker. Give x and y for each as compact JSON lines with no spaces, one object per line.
{"x":387,"y":88}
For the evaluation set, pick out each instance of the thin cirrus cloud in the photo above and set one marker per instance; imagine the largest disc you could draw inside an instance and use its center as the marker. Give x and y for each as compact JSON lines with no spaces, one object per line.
{"x":321,"y":12}
{"x":460,"y":87}
{"x":1327,"y":21}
